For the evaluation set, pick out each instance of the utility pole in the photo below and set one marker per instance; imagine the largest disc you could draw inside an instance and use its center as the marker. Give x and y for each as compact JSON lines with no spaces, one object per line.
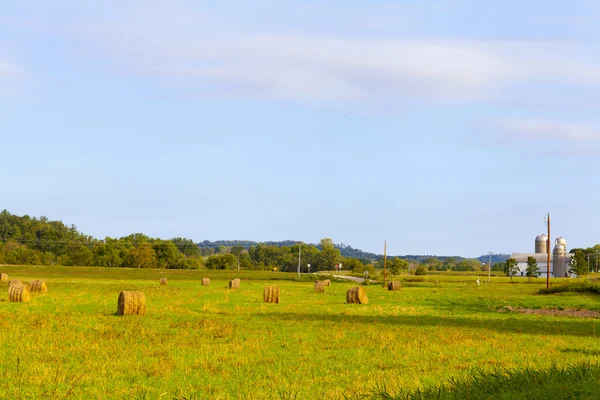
{"x":384,"y":261}
{"x":299,"y":258}
{"x":548,"y":258}
{"x":490,"y":269}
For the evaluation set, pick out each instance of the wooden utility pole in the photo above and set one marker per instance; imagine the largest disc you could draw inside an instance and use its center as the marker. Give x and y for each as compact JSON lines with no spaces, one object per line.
{"x":548,"y":259}
{"x":384,"y":262}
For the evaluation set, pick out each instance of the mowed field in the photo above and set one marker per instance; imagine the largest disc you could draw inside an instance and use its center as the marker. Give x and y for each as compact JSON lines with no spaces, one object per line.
{"x":214,"y":342}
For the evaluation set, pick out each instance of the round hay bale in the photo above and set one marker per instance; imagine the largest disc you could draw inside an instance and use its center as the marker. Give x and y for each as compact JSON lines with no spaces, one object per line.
{"x":205,"y":281}
{"x":327,"y":282}
{"x":38,"y":287}
{"x":357,"y":295}
{"x":131,"y":303}
{"x":271,"y":294}
{"x":14,"y":282}
{"x":394,"y":285}
{"x":319,"y":287}
{"x":18,"y":293}
{"x":163,"y":281}
{"x":3,"y":277}
{"x":234,"y":283}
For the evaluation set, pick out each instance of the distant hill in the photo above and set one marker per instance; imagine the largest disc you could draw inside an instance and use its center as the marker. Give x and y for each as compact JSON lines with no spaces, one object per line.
{"x":495,"y":258}
{"x":346,"y":250}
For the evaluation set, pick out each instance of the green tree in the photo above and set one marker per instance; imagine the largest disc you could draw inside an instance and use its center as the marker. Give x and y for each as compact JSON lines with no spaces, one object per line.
{"x":221,"y":261}
{"x":167,"y":254}
{"x":499,"y":266}
{"x":207,"y":251}
{"x":468,"y":265}
{"x":532,"y":268}
{"x":397,"y":265}
{"x":433,"y":264}
{"x":420,"y":270}
{"x":107,"y":254}
{"x":449,"y":264}
{"x":512,"y":267}
{"x":186,"y":246}
{"x":578,"y":265}
{"x":309,"y":254}
{"x":329,"y":256}
{"x":269,"y":256}
{"x":360,"y":268}
{"x":353,"y":265}
{"x":237,"y":252}
{"x":142,"y":256}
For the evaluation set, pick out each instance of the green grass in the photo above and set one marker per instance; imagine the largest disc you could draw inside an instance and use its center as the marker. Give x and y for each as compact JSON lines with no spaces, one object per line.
{"x":572,"y":382}
{"x":213,"y":342}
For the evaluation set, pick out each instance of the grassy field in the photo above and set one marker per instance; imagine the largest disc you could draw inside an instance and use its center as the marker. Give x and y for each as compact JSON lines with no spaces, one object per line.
{"x":212,"y":342}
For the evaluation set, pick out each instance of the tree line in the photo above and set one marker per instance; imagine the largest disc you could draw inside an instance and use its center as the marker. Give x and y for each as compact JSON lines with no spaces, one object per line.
{"x":39,"y":241}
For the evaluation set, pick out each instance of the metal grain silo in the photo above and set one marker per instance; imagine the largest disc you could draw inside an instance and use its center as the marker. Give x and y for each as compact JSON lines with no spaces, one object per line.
{"x":541,"y":243}
{"x":558,"y":260}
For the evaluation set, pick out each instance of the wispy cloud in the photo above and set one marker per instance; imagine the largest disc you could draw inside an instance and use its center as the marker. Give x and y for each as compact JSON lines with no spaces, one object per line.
{"x":543,"y":130}
{"x":322,"y":68}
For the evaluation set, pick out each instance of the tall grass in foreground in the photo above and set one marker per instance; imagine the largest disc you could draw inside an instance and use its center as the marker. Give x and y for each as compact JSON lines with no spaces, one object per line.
{"x":586,"y":286}
{"x":571,"y":382}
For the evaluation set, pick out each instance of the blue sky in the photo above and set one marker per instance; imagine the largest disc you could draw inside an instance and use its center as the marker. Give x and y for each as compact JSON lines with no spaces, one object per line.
{"x":445,"y":127}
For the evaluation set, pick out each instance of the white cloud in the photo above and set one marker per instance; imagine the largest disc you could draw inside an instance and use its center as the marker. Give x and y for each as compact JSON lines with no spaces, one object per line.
{"x":319,"y":68}
{"x":544,"y":130}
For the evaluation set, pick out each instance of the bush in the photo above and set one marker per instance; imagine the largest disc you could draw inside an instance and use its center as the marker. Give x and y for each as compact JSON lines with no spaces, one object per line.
{"x":420,"y":271}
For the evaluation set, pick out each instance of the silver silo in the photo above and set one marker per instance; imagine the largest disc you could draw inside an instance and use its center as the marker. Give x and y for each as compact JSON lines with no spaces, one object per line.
{"x":558,"y":261}
{"x":563,"y":241}
{"x":541,"y":243}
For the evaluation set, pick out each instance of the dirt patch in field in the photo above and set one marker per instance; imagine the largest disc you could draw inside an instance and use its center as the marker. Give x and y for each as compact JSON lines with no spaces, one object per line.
{"x":569,"y":312}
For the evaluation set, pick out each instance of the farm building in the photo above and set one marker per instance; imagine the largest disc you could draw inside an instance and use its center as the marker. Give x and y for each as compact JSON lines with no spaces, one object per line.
{"x":559,"y":258}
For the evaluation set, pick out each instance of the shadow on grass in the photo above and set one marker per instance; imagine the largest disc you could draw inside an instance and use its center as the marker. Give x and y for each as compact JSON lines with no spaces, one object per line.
{"x":519,"y":324}
{"x":571,"y":382}
{"x":587,"y":352}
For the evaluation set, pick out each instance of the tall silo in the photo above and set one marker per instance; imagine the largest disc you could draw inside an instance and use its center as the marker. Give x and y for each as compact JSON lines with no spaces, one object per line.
{"x":558,"y":260}
{"x":541,"y":244}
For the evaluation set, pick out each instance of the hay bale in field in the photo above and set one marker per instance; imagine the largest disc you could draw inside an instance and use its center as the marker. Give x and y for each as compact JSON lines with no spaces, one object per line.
{"x":163,"y":281}
{"x":394,"y":285}
{"x":38,"y":287}
{"x":131,"y":303}
{"x":3,"y":277}
{"x":271,"y":294}
{"x":319,"y":287}
{"x":18,"y":293}
{"x":357,"y":295}
{"x":234,"y":283}
{"x":205,"y":281}
{"x":327,"y":282}
{"x":14,"y":282}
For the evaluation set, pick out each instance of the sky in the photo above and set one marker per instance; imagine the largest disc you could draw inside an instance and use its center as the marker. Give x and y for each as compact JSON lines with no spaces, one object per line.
{"x":447,"y":127}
